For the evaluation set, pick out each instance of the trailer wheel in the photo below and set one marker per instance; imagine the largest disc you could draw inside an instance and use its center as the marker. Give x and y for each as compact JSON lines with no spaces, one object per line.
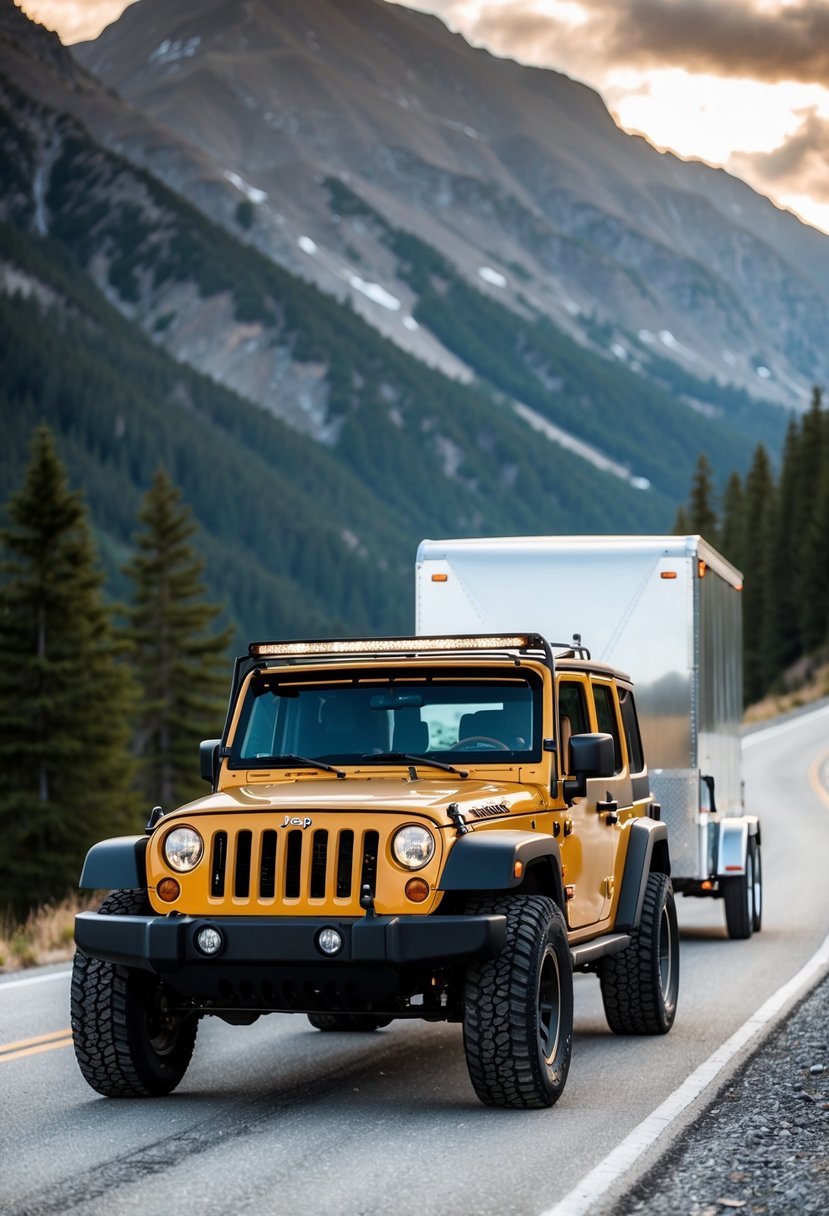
{"x":640,"y":984}
{"x":355,"y":1022}
{"x":130,"y":1041}
{"x":518,"y":1008}
{"x":739,"y":898}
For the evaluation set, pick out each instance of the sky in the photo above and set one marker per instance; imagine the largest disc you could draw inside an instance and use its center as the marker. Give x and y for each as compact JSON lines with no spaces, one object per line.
{"x":738,"y":83}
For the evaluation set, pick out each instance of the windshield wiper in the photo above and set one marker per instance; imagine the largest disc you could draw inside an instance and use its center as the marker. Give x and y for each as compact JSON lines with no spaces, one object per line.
{"x":447,"y":768}
{"x":307,"y":763}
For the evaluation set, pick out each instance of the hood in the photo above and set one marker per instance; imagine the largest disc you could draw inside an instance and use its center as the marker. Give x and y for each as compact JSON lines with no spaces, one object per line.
{"x":477,"y":799}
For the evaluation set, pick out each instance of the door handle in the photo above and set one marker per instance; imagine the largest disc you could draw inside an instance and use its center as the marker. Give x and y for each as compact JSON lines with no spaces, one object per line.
{"x":610,"y":808}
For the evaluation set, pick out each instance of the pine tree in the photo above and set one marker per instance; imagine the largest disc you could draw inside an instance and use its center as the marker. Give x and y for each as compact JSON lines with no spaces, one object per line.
{"x":65,"y":698}
{"x":814,"y":558}
{"x":702,"y":515}
{"x":179,"y":665}
{"x":783,"y":616}
{"x":758,"y":539}
{"x":732,"y":529}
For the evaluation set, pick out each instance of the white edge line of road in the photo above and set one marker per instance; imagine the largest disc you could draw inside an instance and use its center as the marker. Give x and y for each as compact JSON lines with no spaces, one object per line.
{"x":595,"y":1185}
{"x":5,"y":985}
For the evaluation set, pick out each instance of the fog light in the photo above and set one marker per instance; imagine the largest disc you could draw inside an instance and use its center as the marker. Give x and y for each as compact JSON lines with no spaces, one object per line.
{"x":168,"y":890}
{"x":329,"y":941}
{"x":209,"y":940}
{"x":417,"y":889}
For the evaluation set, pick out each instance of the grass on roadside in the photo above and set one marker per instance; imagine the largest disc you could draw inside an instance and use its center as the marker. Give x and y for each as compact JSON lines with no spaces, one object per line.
{"x":805,"y":683}
{"x":46,"y":936}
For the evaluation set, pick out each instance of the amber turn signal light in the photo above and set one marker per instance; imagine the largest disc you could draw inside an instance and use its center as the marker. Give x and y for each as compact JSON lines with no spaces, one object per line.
{"x":168,"y":890}
{"x":417,"y":889}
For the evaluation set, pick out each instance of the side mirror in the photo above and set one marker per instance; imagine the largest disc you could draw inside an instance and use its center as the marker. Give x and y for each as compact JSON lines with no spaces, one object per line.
{"x":592,"y":755}
{"x":209,"y":759}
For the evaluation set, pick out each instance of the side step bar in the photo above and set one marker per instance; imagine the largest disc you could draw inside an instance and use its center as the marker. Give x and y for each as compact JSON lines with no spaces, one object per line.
{"x":585,"y":956}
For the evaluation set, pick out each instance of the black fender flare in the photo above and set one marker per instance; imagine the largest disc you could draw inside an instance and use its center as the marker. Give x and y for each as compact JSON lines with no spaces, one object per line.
{"x":116,"y":864}
{"x":647,"y":851}
{"x":486,"y":861}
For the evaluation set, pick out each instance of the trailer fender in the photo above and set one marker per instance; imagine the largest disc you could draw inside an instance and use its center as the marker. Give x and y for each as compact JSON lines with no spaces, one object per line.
{"x":647,"y":851}
{"x":116,"y":864}
{"x":732,"y":843}
{"x":500,"y":861}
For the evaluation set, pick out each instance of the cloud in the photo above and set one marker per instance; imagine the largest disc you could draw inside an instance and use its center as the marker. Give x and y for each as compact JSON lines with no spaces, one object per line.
{"x":74,"y":20}
{"x":759,"y":39}
{"x":797,"y":166}
{"x":727,"y":39}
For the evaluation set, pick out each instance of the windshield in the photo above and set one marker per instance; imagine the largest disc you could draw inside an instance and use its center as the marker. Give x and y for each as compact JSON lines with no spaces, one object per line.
{"x":494,"y":719}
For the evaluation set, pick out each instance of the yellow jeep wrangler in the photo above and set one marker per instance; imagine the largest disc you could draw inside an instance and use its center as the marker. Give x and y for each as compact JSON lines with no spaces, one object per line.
{"x":439,"y":828}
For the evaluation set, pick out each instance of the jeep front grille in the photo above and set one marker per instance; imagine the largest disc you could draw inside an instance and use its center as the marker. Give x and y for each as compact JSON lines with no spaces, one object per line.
{"x":268,"y":868}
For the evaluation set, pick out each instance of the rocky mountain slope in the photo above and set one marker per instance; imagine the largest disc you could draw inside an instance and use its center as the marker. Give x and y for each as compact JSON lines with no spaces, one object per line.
{"x":518,"y":176}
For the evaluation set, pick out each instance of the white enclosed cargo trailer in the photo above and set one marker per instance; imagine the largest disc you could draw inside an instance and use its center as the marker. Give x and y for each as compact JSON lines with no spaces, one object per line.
{"x":666,"y":609}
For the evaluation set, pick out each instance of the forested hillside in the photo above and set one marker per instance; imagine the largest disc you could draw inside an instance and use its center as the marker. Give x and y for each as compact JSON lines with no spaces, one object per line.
{"x":298,"y":539}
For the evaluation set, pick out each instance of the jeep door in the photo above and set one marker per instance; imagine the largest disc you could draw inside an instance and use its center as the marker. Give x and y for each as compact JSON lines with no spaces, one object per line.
{"x":587,"y":848}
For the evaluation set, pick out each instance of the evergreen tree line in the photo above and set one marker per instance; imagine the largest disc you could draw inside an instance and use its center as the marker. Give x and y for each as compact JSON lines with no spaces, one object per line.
{"x":101,"y":707}
{"x":775,"y":529}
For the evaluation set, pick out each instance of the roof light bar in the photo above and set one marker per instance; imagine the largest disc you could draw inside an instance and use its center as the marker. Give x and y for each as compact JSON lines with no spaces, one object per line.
{"x":513,"y":641}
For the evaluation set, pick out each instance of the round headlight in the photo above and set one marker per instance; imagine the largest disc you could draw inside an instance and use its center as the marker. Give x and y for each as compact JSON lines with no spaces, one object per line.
{"x":183,"y":849}
{"x":413,"y":847}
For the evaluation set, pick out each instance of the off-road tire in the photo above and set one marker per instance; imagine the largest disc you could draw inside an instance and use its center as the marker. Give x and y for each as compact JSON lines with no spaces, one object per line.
{"x":518,"y":1007}
{"x":127,"y":1044}
{"x":361,"y":1023}
{"x":640,"y":984}
{"x":738,"y":897}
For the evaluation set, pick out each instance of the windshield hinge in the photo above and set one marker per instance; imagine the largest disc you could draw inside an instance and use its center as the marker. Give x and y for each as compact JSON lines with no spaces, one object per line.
{"x":456,"y":815}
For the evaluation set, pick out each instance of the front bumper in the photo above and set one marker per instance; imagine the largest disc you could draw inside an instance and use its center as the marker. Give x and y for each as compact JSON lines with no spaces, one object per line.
{"x":166,"y":945}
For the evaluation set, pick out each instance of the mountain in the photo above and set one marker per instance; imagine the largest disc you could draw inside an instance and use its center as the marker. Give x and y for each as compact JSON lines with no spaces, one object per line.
{"x":113,"y":288}
{"x":517,"y":176}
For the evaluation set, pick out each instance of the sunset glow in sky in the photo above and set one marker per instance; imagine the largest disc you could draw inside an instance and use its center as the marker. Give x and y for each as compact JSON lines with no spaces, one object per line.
{"x":739,"y":83}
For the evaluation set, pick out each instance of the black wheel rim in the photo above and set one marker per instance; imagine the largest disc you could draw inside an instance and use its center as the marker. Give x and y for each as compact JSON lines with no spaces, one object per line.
{"x":549,"y":1007}
{"x":750,"y":887}
{"x":666,"y":953}
{"x":758,"y":887}
{"x":162,"y":1023}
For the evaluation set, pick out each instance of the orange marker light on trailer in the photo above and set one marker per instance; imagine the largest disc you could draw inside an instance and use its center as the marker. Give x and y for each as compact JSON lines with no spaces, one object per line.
{"x":440,"y":578}
{"x":701,"y":568}
{"x":667,"y":574}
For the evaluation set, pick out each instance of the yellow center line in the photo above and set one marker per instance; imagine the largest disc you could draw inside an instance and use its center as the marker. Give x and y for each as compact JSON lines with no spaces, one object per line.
{"x":814,"y":776}
{"x":31,"y":1047}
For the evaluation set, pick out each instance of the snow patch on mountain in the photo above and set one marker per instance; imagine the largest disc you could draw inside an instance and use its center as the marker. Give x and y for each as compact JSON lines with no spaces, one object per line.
{"x":170,"y":51}
{"x":375,"y":292}
{"x":251,"y":193}
{"x":585,"y":450}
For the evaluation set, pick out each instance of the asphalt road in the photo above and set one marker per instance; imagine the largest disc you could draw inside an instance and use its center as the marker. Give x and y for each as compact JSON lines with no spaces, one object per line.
{"x":279,"y":1119}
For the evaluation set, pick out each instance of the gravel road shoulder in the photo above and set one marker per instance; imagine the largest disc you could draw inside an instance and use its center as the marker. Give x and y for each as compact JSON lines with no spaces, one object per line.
{"x":762,"y":1147}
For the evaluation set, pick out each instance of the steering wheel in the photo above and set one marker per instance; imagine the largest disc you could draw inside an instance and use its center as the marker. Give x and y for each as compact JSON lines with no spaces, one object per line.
{"x":486,"y":739}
